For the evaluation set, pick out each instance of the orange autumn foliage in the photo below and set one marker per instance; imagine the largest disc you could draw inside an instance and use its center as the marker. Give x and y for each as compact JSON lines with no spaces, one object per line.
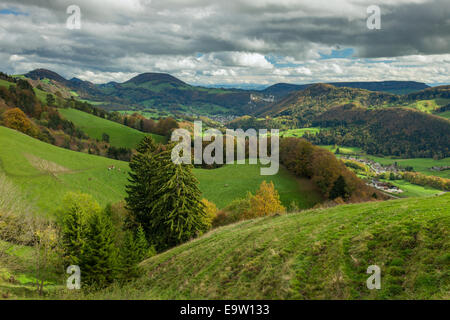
{"x":265,"y":202}
{"x":17,"y":120}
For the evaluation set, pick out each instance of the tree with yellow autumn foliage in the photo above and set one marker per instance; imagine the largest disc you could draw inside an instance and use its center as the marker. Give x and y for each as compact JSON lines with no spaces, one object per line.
{"x":265,"y":202}
{"x":17,"y":120}
{"x":211,"y":212}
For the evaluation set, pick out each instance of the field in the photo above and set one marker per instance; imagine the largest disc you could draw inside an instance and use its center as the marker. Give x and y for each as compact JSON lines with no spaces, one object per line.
{"x":119,"y":135}
{"x":445,"y":114}
{"x":428,"y":106}
{"x":315,"y":254}
{"x":233,"y":181}
{"x":44,"y":173}
{"x":298,"y":132}
{"x":422,"y":165}
{"x":412,"y":190}
{"x":41,"y":95}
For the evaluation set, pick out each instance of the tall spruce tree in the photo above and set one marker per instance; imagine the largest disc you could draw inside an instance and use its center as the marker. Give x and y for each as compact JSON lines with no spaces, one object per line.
{"x":164,"y":197}
{"x":135,"y":249}
{"x":177,"y":213}
{"x":98,"y":261}
{"x":74,"y":215}
{"x":140,"y":191}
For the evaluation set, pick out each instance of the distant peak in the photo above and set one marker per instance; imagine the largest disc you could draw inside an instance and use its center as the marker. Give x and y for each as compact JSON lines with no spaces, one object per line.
{"x":154,"y":77}
{"x":39,"y":74}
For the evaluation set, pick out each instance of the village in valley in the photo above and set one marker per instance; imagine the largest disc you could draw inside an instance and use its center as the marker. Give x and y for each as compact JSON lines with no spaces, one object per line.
{"x":378,"y":170}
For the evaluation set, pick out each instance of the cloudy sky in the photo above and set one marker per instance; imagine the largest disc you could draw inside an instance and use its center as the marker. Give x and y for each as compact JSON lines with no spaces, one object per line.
{"x":229,"y":41}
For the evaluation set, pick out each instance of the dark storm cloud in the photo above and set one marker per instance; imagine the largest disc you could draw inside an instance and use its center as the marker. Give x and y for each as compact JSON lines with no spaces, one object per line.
{"x":125,"y":36}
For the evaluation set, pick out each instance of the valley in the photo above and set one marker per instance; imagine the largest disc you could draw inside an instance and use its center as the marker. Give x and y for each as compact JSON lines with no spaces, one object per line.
{"x":355,"y":166}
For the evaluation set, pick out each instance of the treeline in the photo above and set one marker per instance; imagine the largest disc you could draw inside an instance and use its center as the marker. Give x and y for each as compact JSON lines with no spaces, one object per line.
{"x":249,"y":122}
{"x":425,"y":180}
{"x":387,"y":131}
{"x":163,"y":127}
{"x":21,"y":110}
{"x":329,"y":174}
{"x":22,"y":105}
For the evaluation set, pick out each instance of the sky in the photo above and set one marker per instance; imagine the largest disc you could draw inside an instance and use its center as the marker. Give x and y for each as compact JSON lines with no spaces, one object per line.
{"x":230,"y":42}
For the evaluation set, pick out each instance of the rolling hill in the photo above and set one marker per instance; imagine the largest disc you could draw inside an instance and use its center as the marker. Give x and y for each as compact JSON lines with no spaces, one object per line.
{"x":43,"y":173}
{"x":315,"y":99}
{"x":94,"y":127}
{"x":163,"y":91}
{"x":280,"y":90}
{"x":315,"y":254}
{"x":388,"y":131}
{"x":151,"y":90}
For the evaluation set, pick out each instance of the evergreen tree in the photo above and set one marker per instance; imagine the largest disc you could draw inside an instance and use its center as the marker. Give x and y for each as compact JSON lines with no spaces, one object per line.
{"x":74,"y":215}
{"x":142,"y":248}
{"x":135,"y":250}
{"x":50,"y":99}
{"x":141,"y":189}
{"x":164,"y":197}
{"x":99,"y":258}
{"x":339,"y":189}
{"x":128,"y":256}
{"x":177,"y":213}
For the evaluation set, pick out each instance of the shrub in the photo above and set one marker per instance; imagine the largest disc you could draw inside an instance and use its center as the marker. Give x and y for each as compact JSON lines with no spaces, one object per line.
{"x":211,"y":212}
{"x":17,"y":120}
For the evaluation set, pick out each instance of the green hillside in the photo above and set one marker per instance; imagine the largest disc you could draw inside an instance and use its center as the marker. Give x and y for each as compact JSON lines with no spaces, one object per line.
{"x":229,"y":182}
{"x":119,"y":135}
{"x":315,"y":254}
{"x":44,"y":173}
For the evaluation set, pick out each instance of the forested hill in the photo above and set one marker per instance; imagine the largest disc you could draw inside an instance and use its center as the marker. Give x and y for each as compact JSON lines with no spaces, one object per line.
{"x":306,"y":104}
{"x":389,"y":131}
{"x":397,"y":87}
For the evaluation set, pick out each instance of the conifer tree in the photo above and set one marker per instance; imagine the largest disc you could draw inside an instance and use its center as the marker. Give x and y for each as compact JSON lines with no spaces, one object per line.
{"x":140,"y":191}
{"x":177,"y":213}
{"x":135,"y":250}
{"x":99,"y":258}
{"x":74,"y":215}
{"x":164,"y":197}
{"x":339,"y":189}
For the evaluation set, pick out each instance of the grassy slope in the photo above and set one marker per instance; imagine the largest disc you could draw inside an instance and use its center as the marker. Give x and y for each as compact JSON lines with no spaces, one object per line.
{"x":232,"y":181}
{"x":119,"y":135}
{"x":412,"y":190}
{"x":42,"y":95}
{"x":18,"y":275}
{"x":52,"y":171}
{"x":316,"y":254}
{"x":445,"y":114}
{"x":299,"y":132}
{"x":45,"y":184}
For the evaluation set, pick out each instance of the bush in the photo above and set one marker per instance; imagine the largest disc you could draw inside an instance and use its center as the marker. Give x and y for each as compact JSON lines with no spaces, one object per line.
{"x":17,"y":120}
{"x":210,"y":211}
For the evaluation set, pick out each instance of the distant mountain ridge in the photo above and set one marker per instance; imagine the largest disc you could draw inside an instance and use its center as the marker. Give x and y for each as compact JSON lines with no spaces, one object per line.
{"x":164,"y":91}
{"x":396,"y":87}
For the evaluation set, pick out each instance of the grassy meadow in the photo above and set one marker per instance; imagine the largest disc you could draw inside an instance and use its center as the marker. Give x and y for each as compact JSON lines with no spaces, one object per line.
{"x":119,"y":135}
{"x":222,"y":185}
{"x":45,"y":173}
{"x":315,"y":254}
{"x":298,"y":132}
